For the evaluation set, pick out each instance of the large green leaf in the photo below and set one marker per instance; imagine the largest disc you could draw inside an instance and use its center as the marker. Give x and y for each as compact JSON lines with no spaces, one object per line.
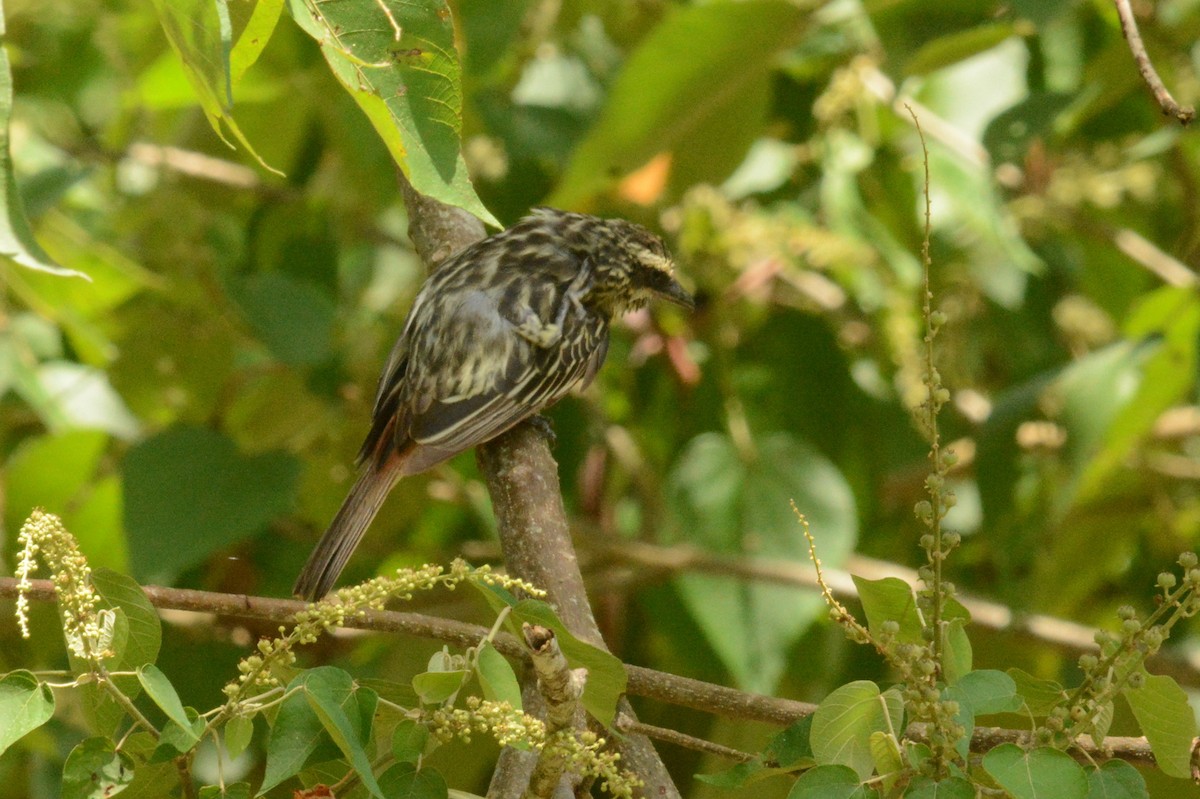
{"x":704,"y":68}
{"x":725,"y":502}
{"x":1042,"y":773}
{"x":189,"y":492}
{"x":398,"y":61}
{"x":844,"y":721}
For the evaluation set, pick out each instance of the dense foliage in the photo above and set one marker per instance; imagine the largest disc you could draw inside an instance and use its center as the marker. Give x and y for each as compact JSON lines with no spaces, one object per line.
{"x":192,"y":409}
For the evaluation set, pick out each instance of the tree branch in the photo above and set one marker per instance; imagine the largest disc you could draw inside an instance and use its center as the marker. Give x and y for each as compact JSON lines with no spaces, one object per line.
{"x":1184,"y":114}
{"x":648,"y":683}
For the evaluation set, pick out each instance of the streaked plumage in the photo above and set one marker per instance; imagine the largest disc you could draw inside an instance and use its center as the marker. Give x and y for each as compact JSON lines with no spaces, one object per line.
{"x":498,"y":332}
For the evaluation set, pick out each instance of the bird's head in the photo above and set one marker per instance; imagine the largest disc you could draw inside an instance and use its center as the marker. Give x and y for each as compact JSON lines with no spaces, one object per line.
{"x":640,"y":268}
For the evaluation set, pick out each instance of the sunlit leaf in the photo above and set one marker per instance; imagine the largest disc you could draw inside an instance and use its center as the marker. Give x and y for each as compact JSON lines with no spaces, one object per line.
{"x":398,"y":61}
{"x":200,"y":33}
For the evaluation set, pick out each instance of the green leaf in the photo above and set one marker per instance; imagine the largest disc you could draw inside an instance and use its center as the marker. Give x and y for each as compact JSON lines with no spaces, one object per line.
{"x":1040,"y":696}
{"x":957,"y":656}
{"x":885,"y":751}
{"x":405,"y":781}
{"x":238,"y":732}
{"x":1102,"y":721}
{"x":298,"y":734}
{"x":409,"y":741}
{"x":293,"y":318}
{"x":295,"y":735}
{"x":435,"y":687}
{"x":606,"y":674}
{"x":136,"y":641}
{"x":1116,"y":779}
{"x":253,"y":38}
{"x":1162,"y":711}
{"x":16,"y":235}
{"x":890,"y":599}
{"x":398,"y":61}
{"x":150,"y":780}
{"x":25,"y":705}
{"x":950,"y":788}
{"x":830,"y":782}
{"x":327,"y":691}
{"x":496,"y":676}
{"x":189,"y":493}
{"x":718,"y":501}
{"x":843,"y":723}
{"x":978,"y":693}
{"x":179,"y":738}
{"x":95,"y":770}
{"x":1042,"y":773}
{"x":159,"y":688}
{"x":200,"y":34}
{"x":145,"y":628}
{"x":695,"y":69}
{"x":952,"y":48}
{"x":988,"y":691}
{"x":792,"y":747}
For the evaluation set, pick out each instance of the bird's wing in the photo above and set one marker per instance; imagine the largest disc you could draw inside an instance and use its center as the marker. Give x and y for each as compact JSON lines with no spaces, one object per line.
{"x":526,"y":379}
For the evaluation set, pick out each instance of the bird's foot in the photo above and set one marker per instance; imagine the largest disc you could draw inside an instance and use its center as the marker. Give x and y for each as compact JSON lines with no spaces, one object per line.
{"x":546,"y":427}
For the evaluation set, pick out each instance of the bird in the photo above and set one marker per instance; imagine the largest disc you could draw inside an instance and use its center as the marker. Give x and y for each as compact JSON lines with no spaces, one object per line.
{"x":498,"y":332}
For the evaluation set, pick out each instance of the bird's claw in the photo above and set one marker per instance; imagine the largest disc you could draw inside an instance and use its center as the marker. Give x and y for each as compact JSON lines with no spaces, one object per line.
{"x":544,"y":426}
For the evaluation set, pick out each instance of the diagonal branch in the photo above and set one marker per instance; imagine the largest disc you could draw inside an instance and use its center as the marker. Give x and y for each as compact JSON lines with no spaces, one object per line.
{"x":1184,"y":114}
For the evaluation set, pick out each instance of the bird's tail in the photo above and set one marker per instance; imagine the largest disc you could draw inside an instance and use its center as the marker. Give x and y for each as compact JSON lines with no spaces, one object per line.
{"x":346,"y":530}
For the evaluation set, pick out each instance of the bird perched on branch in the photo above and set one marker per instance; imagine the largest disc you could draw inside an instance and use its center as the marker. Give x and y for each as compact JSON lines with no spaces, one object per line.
{"x":498,"y":332}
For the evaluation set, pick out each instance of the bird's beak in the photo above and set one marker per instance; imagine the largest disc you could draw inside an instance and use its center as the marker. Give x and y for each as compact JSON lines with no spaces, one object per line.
{"x":676,"y":294}
{"x":662,"y":283}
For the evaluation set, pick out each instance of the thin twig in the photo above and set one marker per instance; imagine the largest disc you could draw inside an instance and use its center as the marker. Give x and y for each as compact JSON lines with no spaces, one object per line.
{"x":1184,"y":114}
{"x":627,"y":724}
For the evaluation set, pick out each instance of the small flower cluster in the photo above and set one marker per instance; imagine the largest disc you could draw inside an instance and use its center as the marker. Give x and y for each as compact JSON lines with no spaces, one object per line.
{"x":919,"y":674}
{"x":1119,"y":664}
{"x":351,"y":603}
{"x":583,"y":751}
{"x":88,"y":630}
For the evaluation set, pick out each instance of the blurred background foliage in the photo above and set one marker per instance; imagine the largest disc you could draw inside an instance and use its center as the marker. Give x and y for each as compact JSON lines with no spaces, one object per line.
{"x":193,"y":411}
